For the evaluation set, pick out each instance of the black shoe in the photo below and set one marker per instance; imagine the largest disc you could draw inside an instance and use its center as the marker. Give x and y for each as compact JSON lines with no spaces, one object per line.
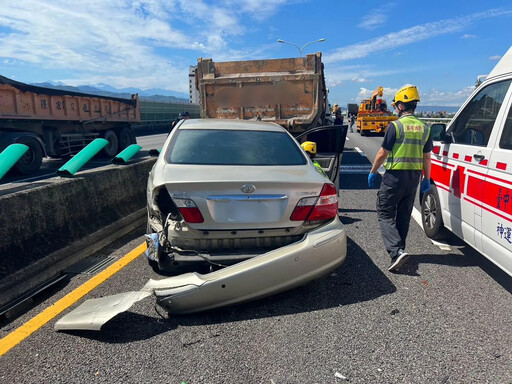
{"x":398,"y":261}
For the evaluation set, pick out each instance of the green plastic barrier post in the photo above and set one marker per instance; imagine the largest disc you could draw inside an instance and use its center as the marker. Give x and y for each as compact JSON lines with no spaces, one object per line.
{"x":82,"y":157}
{"x":10,"y":156}
{"x":126,"y":154}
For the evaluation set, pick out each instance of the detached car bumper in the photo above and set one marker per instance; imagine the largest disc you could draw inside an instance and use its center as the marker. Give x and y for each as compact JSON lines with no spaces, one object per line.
{"x":319,"y":252}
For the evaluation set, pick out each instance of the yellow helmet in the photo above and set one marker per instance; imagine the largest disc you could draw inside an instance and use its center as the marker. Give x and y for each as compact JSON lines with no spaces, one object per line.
{"x":309,"y":146}
{"x":406,"y":94}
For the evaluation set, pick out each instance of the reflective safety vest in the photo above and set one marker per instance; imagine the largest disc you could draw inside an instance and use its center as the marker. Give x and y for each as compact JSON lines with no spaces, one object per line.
{"x":407,"y":152}
{"x":319,"y":168}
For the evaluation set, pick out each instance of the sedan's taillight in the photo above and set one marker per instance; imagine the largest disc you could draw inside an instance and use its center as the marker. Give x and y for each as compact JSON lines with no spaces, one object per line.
{"x":323,"y":207}
{"x":189,"y":210}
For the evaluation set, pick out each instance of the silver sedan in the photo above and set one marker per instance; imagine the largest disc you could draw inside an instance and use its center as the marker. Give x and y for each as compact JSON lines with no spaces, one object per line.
{"x":244,"y":199}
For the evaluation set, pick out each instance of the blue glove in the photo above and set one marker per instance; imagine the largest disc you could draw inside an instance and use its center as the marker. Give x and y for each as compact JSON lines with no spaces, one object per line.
{"x":371,"y":179}
{"x":425,"y":186}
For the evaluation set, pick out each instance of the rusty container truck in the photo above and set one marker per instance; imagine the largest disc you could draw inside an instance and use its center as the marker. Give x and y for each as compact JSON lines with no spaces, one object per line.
{"x":58,"y":123}
{"x":290,"y":92}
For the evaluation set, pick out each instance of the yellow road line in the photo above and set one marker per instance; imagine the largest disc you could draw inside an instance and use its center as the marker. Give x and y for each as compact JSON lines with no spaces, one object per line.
{"x":25,"y":330}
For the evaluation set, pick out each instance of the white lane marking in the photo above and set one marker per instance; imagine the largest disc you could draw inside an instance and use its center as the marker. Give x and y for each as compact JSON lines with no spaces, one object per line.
{"x":416,"y":215}
{"x":360,"y":152}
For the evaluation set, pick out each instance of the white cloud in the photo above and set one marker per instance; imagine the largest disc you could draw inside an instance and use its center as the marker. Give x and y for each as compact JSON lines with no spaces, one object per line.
{"x":373,"y":21}
{"x":256,"y":9}
{"x":387,"y":94}
{"x":468,"y":36}
{"x":376,"y":17}
{"x":432,"y":97}
{"x":331,"y":83}
{"x":496,"y":57}
{"x":408,"y":36}
{"x":131,"y":46}
{"x":355,"y":73}
{"x":446,"y":98}
{"x":357,"y":79}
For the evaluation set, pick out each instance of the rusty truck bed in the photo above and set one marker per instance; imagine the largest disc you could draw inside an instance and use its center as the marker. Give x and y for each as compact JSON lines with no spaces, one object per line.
{"x":26,"y":102}
{"x":290,"y":92}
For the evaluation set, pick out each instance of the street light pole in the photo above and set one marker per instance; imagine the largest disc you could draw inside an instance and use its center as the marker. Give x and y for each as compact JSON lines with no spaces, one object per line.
{"x":300,"y":48}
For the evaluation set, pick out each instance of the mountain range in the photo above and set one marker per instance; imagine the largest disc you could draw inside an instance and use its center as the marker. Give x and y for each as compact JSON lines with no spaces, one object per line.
{"x":163,"y":95}
{"x":153,"y":94}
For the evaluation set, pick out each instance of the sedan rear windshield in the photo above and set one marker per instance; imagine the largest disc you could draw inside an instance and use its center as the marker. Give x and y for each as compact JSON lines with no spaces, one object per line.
{"x":234,"y":147}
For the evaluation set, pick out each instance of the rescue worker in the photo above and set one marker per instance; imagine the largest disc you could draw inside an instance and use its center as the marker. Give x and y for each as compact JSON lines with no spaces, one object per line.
{"x":338,"y":119}
{"x":310,"y":148}
{"x":405,"y":153}
{"x":352,"y":122}
{"x":182,"y":116}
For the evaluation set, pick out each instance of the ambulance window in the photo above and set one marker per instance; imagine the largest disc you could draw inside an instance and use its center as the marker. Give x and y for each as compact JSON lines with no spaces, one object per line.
{"x":506,"y":136}
{"x":474,"y":124}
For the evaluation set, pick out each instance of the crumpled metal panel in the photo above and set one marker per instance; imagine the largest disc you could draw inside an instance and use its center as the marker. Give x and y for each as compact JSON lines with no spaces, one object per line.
{"x":92,"y":314}
{"x":321,"y":251}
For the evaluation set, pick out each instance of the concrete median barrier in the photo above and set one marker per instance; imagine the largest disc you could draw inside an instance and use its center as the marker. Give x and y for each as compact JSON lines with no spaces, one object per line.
{"x":45,"y":225}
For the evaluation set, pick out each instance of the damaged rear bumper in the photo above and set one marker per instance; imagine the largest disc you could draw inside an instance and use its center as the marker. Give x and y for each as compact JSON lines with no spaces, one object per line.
{"x":318,"y":253}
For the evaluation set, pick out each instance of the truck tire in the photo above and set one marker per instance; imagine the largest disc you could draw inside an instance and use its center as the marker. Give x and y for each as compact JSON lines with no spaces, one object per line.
{"x":113,"y":144}
{"x":431,"y":216}
{"x":125,"y":138}
{"x":32,"y":159}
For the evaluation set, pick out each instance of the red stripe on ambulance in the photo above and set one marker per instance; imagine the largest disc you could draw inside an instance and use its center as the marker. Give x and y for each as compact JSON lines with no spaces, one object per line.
{"x":440,"y":173}
{"x":476,"y":188}
{"x":487,"y":209}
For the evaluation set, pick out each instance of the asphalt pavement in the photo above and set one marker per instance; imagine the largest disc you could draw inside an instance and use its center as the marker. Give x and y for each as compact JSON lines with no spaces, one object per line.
{"x":446,"y":319}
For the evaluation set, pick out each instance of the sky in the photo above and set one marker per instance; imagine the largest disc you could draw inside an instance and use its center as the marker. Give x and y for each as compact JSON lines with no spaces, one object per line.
{"x":440,"y":46}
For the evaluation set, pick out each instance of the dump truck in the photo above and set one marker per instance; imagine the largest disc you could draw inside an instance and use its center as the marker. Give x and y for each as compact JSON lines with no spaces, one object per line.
{"x":290,"y":92}
{"x":59,"y":123}
{"x":373,"y":114}
{"x":352,"y":109}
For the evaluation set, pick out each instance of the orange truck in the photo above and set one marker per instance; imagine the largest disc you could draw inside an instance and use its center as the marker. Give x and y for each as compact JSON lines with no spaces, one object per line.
{"x":290,"y":92}
{"x":58,"y":123}
{"x":373,"y":114}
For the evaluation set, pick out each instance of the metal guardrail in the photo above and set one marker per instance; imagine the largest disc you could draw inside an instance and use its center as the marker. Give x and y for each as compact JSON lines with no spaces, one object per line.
{"x":435,"y":120}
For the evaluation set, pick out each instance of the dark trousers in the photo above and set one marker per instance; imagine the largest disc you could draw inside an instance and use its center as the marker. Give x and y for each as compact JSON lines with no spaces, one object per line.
{"x":394,"y":207}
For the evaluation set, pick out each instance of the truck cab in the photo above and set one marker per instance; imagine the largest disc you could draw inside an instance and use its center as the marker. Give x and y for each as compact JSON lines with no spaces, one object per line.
{"x":471,"y":177}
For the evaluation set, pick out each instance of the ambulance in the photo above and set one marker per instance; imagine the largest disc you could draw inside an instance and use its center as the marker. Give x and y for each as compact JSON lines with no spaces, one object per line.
{"x":471,"y":177}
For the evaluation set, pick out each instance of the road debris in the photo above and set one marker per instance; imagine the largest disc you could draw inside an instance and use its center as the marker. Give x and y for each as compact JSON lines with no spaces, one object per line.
{"x":340,"y":376}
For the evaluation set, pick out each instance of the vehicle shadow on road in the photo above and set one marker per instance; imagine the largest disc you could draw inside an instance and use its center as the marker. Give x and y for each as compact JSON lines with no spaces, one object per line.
{"x":357,"y":280}
{"x":128,"y":327}
{"x":469,"y":258}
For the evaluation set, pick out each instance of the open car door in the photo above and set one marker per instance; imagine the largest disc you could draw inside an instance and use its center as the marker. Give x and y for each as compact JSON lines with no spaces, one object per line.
{"x":330,"y":142}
